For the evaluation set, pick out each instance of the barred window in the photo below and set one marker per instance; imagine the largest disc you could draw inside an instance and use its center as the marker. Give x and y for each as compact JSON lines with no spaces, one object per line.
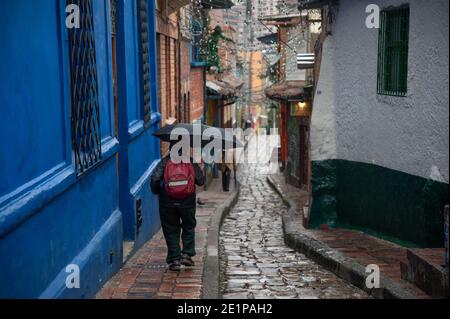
{"x":85,"y":112}
{"x":393,"y":42}
{"x":145,"y":58}
{"x":197,"y":56}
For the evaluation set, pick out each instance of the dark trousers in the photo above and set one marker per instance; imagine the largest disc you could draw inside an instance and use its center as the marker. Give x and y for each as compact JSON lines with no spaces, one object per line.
{"x":178,"y":222}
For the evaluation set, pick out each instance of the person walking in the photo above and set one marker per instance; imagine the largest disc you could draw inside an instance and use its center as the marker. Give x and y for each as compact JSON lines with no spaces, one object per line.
{"x":175,"y":185}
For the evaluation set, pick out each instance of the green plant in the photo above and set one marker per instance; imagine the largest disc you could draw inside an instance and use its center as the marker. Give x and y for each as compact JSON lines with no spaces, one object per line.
{"x":212,"y":48}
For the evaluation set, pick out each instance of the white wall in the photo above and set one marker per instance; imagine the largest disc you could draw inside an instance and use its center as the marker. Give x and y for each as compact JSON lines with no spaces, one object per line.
{"x":409,"y":134}
{"x":323,"y":122}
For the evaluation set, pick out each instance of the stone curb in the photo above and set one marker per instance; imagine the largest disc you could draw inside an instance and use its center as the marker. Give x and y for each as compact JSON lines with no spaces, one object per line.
{"x":331,"y":259}
{"x":211,"y":271}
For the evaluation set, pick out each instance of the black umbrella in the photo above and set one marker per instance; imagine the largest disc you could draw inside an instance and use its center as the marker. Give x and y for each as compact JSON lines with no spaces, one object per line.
{"x":198,"y":131}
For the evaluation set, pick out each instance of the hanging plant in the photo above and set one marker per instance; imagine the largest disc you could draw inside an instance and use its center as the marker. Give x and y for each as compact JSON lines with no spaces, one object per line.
{"x":213,"y":59}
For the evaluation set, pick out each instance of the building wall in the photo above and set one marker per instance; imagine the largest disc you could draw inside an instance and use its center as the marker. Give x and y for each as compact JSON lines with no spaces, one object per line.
{"x":380,"y":163}
{"x":184,"y":108}
{"x":139,"y":153}
{"x":40,"y":233}
{"x":168,"y":62}
{"x":297,"y":38}
{"x":197,"y":81}
{"x":259,"y":99}
{"x":50,"y":216}
{"x":283,"y":39}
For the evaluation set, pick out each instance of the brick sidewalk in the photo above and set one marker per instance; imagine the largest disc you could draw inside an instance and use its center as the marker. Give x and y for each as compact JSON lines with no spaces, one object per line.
{"x":145,"y":275}
{"x":363,"y":248}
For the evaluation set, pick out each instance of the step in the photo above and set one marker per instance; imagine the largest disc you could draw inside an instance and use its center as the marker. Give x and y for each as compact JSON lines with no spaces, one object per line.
{"x":425,"y":269}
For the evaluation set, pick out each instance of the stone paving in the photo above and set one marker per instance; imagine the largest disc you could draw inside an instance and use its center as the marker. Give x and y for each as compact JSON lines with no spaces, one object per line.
{"x":255,"y":262}
{"x":145,"y":274}
{"x":360,"y":247}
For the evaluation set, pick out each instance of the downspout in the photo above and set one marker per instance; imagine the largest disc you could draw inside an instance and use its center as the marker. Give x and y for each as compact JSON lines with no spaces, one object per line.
{"x":205,"y":100}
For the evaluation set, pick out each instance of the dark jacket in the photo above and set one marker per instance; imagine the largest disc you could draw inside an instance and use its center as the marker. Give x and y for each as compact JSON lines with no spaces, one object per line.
{"x":158,"y":187}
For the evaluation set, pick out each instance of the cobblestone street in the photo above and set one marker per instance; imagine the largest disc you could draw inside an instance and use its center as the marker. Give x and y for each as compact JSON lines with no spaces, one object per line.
{"x":255,"y":262}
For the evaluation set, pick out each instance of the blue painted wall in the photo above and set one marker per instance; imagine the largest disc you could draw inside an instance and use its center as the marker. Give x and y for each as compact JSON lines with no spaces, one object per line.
{"x":139,"y":150}
{"x":49,"y":216}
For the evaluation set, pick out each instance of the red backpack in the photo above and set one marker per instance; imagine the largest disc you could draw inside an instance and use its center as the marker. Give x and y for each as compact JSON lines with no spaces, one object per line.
{"x":179,"y":180}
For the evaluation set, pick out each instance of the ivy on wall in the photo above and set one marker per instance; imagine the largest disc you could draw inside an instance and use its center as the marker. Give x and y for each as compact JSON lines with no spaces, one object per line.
{"x":212,"y":57}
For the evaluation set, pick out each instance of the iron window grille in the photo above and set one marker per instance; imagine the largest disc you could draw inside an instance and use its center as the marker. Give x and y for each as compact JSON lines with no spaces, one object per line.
{"x":393,"y":41}
{"x":145,"y":58}
{"x":85,"y":111}
{"x":196,"y":44}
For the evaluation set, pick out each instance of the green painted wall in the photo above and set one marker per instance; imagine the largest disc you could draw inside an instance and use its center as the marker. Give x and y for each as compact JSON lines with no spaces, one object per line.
{"x":381,"y":201}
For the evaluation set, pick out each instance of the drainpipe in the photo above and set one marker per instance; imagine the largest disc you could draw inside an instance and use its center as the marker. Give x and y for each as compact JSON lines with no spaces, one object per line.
{"x":205,"y":99}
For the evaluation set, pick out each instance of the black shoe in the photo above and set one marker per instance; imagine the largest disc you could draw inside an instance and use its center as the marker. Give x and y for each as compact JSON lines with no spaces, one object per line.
{"x":175,"y":266}
{"x":187,"y":261}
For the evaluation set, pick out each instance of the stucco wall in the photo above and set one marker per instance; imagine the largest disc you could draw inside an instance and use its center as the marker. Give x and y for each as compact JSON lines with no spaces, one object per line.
{"x":323,"y":121}
{"x":408,"y":134}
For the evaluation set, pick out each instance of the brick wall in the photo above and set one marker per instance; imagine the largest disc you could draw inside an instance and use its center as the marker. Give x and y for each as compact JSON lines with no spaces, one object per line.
{"x":167,"y":75}
{"x":185,"y":84}
{"x":197,"y":93}
{"x":181,"y":87}
{"x":168,"y":63}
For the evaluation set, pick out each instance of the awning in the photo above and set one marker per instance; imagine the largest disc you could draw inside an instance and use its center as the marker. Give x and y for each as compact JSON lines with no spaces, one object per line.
{"x":282,"y":19}
{"x":220,"y":88}
{"x":287,"y":90}
{"x":271,"y":38}
{"x":217,"y":4}
{"x":233,"y":82}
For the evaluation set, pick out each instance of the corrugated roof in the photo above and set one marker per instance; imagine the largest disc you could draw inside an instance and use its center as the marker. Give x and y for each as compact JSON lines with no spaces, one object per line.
{"x":227,"y":86}
{"x":270,"y":38}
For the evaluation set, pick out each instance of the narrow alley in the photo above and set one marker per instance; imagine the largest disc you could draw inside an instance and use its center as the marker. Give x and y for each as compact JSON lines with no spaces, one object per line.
{"x":255,"y":261}
{"x":224,"y":150}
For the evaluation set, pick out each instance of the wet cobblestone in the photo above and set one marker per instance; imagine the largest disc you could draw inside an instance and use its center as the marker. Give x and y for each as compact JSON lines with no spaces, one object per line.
{"x":255,"y":262}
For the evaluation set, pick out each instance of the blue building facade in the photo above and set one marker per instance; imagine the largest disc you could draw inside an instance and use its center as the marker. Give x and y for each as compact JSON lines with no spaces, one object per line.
{"x":78,"y":109}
